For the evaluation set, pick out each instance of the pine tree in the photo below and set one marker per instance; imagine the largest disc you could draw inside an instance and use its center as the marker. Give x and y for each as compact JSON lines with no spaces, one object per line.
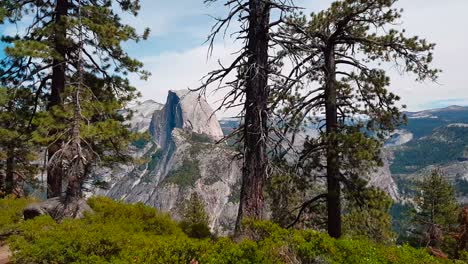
{"x":17,"y":152}
{"x":72,"y":43}
{"x":333,"y":56}
{"x":436,"y":210}
{"x":194,"y":218}
{"x":370,"y":217}
{"x":251,"y":89}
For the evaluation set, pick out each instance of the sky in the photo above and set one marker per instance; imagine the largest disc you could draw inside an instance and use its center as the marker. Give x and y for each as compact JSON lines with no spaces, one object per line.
{"x":177,"y":57}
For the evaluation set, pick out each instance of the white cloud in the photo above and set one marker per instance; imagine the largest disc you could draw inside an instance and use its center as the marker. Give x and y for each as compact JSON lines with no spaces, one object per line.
{"x":443,"y":23}
{"x":182,"y":70}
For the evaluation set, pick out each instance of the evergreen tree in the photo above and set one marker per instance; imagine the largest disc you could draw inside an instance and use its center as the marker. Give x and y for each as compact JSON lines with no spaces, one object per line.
{"x":70,"y":44}
{"x":436,"y":210}
{"x":16,"y":149}
{"x":287,"y":193}
{"x":250,"y":88}
{"x":371,"y":218}
{"x":194,"y":218}
{"x":333,"y":56}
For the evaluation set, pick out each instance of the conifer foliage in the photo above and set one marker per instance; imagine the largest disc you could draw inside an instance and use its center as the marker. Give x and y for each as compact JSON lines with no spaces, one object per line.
{"x":17,"y":151}
{"x":436,"y":211}
{"x":194,"y":218}
{"x":336,"y":84}
{"x":69,"y":44}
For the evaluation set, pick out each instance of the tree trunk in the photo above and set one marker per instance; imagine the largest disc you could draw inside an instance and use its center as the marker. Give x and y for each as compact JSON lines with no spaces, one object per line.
{"x":256,"y":114}
{"x":76,"y":171}
{"x":333,"y":169}
{"x":54,"y":175}
{"x":10,"y":171}
{"x":2,"y":180}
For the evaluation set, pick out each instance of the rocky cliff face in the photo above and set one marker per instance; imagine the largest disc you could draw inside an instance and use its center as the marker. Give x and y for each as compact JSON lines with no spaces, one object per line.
{"x":382,"y":178}
{"x":181,"y":159}
{"x":187,"y":111}
{"x":143,"y":114}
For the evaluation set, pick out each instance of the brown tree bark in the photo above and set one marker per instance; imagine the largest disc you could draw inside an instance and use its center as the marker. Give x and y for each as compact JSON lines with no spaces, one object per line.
{"x":2,"y":182}
{"x":76,"y":171}
{"x":256,"y":114}
{"x":54,"y":175}
{"x":10,"y":171}
{"x":333,"y":171}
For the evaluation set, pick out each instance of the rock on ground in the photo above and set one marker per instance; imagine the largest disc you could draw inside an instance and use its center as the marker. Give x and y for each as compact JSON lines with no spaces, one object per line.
{"x":58,"y":208}
{"x":5,"y":254}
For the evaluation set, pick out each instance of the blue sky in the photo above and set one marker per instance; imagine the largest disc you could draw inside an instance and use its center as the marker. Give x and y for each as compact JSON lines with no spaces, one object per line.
{"x":177,"y":58}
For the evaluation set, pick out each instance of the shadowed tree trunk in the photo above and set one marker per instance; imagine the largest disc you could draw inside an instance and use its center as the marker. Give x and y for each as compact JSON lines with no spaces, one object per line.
{"x":256,"y":116}
{"x":54,"y":175}
{"x":2,"y":184}
{"x":333,"y":171}
{"x":10,"y":171}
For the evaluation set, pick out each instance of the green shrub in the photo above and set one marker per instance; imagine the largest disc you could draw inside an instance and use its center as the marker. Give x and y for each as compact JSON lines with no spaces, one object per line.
{"x":200,"y":138}
{"x":122,"y":233}
{"x":140,"y":143}
{"x":155,"y":159}
{"x":186,"y":175}
{"x":11,"y":213}
{"x":132,"y":217}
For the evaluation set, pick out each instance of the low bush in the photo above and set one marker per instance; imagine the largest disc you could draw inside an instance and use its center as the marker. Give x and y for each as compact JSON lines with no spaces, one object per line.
{"x":122,"y":233}
{"x":11,"y":213}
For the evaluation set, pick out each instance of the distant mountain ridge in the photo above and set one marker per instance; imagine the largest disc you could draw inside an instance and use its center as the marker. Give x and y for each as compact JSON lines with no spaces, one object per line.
{"x":439,"y":138}
{"x":181,"y":158}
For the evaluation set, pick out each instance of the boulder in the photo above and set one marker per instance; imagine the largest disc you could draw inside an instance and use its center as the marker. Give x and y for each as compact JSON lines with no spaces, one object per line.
{"x":58,"y":208}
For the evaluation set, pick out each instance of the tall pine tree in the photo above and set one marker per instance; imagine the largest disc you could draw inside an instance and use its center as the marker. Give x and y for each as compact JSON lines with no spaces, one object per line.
{"x":47,"y":59}
{"x":251,"y":70}
{"x":337,"y":85}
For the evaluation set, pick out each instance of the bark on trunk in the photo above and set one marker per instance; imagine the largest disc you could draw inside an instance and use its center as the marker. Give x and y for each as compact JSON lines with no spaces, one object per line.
{"x":256,"y":114}
{"x":333,"y":169}
{"x":76,"y":172}
{"x":2,"y":182}
{"x":10,"y":171}
{"x":54,"y":175}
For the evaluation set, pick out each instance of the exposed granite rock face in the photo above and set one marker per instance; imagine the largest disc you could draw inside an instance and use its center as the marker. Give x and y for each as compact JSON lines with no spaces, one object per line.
{"x":143,"y":114}
{"x":382,"y":178}
{"x":455,"y":172}
{"x":184,"y":110}
{"x":181,"y":159}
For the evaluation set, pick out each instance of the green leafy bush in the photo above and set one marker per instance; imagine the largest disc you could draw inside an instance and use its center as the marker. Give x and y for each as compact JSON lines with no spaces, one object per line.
{"x":122,"y":233}
{"x":11,"y":213}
